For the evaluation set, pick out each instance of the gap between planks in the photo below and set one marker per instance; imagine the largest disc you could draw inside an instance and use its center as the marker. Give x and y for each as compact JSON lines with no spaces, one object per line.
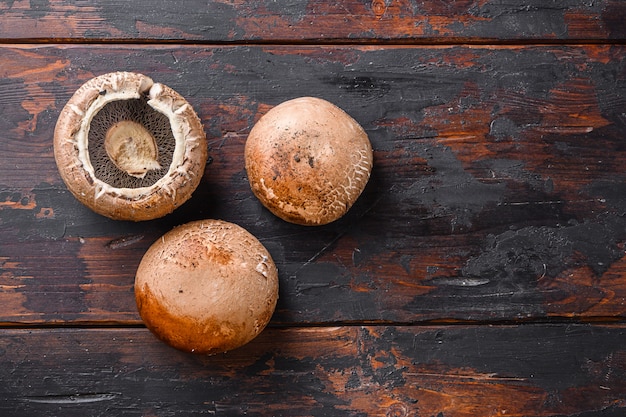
{"x":542,"y":321}
{"x":317,"y":42}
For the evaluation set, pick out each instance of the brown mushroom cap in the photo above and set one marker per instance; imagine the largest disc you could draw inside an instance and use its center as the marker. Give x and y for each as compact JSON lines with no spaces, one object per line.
{"x":128,"y":148}
{"x":308,"y":161}
{"x":208,"y":286}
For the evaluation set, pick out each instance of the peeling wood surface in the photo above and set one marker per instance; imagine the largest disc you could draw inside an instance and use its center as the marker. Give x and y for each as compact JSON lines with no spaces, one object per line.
{"x":314,"y":20}
{"x":481,"y":273}
{"x":469,"y":371}
{"x":497,"y":192}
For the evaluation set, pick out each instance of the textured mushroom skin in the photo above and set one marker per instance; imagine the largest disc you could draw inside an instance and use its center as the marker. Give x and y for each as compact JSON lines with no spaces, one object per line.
{"x":308,"y":161}
{"x":206,"y":287}
{"x":145,"y":203}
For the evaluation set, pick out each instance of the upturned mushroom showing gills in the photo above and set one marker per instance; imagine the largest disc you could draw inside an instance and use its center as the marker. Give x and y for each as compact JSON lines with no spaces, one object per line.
{"x":308,"y":161}
{"x":129,"y":148}
{"x":206,"y":287}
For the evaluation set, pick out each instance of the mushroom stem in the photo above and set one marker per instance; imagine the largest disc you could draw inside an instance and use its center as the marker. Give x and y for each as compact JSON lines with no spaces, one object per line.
{"x":132,"y":148}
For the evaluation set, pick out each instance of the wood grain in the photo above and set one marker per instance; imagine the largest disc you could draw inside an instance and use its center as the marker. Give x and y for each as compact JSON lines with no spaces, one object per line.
{"x":451,"y":371}
{"x":313,"y":21}
{"x":481,"y":273}
{"x":497,"y":192}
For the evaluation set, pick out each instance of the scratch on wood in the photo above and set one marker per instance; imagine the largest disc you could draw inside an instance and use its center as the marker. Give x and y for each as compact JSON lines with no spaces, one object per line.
{"x":454,"y":139}
{"x":462,"y":282}
{"x":472,"y":377}
{"x":319,"y":253}
{"x":124,"y":241}
{"x":568,"y":130}
{"x":303,"y":287}
{"x":11,"y":287}
{"x":72,"y":399}
{"x":550,"y":202}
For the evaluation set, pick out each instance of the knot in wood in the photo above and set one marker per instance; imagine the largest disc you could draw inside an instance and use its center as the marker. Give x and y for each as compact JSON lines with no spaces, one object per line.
{"x":379,"y":7}
{"x":397,"y":410}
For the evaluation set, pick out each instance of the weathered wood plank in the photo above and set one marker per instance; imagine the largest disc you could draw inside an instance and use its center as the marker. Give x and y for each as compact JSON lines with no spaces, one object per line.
{"x":497,"y":193}
{"x":454,"y":371}
{"x":314,"y":20}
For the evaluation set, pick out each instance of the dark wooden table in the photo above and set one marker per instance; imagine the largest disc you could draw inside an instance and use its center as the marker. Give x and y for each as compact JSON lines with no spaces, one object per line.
{"x":481,"y":273}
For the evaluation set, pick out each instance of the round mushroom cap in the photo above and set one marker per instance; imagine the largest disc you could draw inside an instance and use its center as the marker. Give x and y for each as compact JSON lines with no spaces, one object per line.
{"x":207,"y":287}
{"x":129,"y":148}
{"x":308,"y":161}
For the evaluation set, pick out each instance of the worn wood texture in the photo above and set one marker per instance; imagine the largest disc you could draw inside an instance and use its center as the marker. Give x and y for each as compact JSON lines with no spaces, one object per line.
{"x":315,"y":20}
{"x":459,"y":371}
{"x":481,"y":273}
{"x":497,"y":193}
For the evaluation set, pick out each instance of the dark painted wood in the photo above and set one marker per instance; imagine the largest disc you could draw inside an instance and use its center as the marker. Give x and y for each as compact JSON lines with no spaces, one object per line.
{"x":451,"y":371}
{"x":492,"y":229}
{"x":314,"y":20}
{"x":497,"y":193}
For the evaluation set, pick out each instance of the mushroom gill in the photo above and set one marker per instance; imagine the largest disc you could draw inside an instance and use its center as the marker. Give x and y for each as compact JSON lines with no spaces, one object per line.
{"x":130,"y":143}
